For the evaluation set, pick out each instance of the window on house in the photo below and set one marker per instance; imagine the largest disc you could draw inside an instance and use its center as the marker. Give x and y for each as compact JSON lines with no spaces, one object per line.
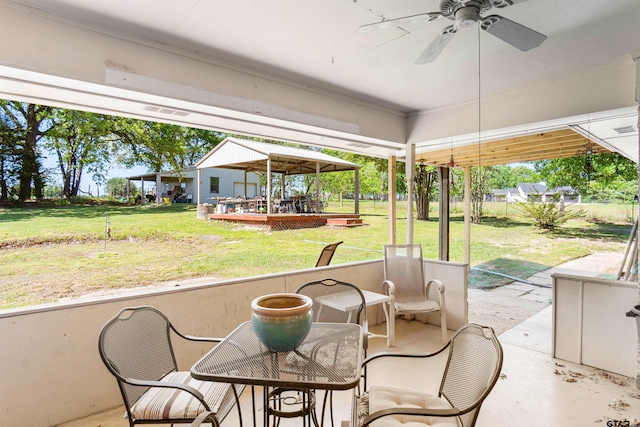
{"x":214,"y":184}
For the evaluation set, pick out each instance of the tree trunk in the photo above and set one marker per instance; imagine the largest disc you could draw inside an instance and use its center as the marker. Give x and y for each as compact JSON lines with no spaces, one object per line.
{"x":38,"y":181}
{"x":424,"y":181}
{"x":75,"y":187}
{"x":422,"y":206}
{"x":29,"y":167}
{"x":477,"y":195}
{"x":30,"y":170}
{"x":4,"y":190}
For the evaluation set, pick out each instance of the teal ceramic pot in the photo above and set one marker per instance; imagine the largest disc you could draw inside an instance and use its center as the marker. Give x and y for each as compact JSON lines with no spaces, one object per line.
{"x":282,"y":321}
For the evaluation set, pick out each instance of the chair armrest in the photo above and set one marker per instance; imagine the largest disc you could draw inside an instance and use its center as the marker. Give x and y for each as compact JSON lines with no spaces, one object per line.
{"x":165,"y":384}
{"x":438,"y":282}
{"x":205,"y":417}
{"x":410,"y":411}
{"x":389,"y":288}
{"x":440,"y":289}
{"x":192,"y":338}
{"x":416,"y":356}
{"x":201,"y":339}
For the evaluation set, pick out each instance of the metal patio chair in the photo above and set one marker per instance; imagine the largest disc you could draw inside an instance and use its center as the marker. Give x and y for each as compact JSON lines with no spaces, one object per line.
{"x":327,"y":254}
{"x":472,"y":369}
{"x":352,"y":310}
{"x":205,"y":417}
{"x":405,"y":283}
{"x":322,"y":291}
{"x":136,"y":347}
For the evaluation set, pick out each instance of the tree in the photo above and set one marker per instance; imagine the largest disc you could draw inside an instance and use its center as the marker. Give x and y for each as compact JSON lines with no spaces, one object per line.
{"x":117,"y":187}
{"x":80,"y":141}
{"x":425,"y":177}
{"x":160,"y":146}
{"x":592,"y":175}
{"x":199,"y":142}
{"x":28,"y":123}
{"x":480,"y":185}
{"x":340,"y":183}
{"x":9,"y":167}
{"x":370,"y":179}
{"x":505,"y":176}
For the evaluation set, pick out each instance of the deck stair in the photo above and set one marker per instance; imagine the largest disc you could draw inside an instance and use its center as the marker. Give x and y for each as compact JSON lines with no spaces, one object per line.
{"x":344,"y":222}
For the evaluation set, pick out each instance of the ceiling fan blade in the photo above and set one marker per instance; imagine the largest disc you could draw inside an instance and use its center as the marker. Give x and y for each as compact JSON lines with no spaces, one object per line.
{"x":511,"y":32}
{"x":504,"y":3}
{"x":423,"y":17}
{"x":437,"y":45}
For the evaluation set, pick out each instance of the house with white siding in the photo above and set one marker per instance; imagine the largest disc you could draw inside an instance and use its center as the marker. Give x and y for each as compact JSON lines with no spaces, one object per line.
{"x":536,"y":192}
{"x":214,"y":183}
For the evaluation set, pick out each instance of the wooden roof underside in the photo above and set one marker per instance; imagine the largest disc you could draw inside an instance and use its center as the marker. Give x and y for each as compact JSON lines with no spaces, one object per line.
{"x":288,"y":166}
{"x":541,"y":146}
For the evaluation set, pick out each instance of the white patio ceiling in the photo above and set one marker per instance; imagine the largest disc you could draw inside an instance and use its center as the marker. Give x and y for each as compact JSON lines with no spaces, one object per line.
{"x":298,"y":71}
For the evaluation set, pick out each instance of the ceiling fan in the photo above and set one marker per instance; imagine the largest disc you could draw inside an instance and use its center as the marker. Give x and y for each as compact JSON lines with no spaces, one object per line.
{"x":466,"y":13}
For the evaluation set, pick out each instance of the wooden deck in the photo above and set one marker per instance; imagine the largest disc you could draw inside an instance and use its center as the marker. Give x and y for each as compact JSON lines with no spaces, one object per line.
{"x":285,"y":221}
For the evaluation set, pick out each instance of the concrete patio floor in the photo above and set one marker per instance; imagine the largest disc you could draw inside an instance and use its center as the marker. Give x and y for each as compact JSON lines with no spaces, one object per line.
{"x":534,"y":389}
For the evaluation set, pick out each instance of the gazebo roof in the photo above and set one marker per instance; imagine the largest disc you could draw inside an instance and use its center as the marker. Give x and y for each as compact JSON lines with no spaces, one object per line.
{"x":252,"y":156}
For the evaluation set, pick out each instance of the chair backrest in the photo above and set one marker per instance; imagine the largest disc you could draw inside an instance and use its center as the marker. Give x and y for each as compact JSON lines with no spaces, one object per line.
{"x":403,"y":265}
{"x":327,"y":254}
{"x":473,"y":367}
{"x":136,"y":343}
{"x":327,"y":293}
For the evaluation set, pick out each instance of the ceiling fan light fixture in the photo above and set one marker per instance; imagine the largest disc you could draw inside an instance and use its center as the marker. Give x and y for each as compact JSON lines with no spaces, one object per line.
{"x":467,"y":16}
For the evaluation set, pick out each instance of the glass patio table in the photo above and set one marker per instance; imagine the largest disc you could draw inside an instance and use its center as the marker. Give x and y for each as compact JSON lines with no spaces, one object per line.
{"x":329,"y":358}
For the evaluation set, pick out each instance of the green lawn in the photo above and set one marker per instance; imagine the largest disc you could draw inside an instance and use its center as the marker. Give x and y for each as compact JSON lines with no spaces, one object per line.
{"x":60,"y":252}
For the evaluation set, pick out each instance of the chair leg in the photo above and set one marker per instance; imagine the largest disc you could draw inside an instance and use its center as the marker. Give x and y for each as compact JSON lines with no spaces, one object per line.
{"x":391,"y":324}
{"x":443,"y":323}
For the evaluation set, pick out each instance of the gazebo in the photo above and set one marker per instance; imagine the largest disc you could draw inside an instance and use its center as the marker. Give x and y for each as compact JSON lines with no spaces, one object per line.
{"x":253,"y":156}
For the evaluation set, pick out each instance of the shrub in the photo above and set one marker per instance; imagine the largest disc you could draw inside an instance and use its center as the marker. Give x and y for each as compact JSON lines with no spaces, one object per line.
{"x":548,"y":215}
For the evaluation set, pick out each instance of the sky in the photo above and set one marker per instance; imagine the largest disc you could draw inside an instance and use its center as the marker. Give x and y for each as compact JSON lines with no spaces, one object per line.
{"x":87,"y":185}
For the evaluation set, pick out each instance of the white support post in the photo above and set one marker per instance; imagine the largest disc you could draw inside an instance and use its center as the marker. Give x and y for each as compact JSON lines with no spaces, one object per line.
{"x":391,"y":191}
{"x":198,"y":186}
{"x":269,"y":186}
{"x":467,"y":217}
{"x":356,"y":191}
{"x":636,"y":59}
{"x":158,"y":185}
{"x":410,"y":172}
{"x":444,"y":214}
{"x":318,"y":188}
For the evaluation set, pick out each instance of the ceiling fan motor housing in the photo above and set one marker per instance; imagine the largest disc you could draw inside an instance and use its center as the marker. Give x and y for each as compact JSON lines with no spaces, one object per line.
{"x":465,"y":12}
{"x":467,"y":16}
